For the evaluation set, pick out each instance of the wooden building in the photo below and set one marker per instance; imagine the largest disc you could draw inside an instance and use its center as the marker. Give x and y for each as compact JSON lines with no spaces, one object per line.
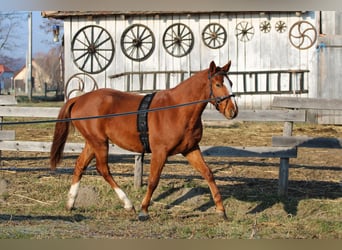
{"x":272,"y":53}
{"x":6,"y":79}
{"x":40,"y":77}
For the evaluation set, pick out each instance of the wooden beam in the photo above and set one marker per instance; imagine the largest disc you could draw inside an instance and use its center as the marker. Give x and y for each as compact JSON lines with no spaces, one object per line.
{"x":39,"y":146}
{"x":214,"y":151}
{"x":29,"y":111}
{"x":283,"y":179}
{"x":258,"y":115}
{"x":8,"y":100}
{"x":208,"y":114}
{"x":305,"y":141}
{"x":263,"y":152}
{"x":7,"y":135}
{"x":307,"y":103}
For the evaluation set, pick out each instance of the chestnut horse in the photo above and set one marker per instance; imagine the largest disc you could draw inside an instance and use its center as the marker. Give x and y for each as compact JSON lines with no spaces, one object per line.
{"x":171,"y":131}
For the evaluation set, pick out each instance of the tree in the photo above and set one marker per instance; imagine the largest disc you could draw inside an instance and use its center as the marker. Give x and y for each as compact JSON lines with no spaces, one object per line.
{"x":51,"y":65}
{"x":10,"y":28}
{"x":53,"y":61}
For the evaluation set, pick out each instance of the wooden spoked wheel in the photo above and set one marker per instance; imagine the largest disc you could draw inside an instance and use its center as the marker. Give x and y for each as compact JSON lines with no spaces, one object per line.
{"x":280,"y":26}
{"x":265,"y":26}
{"x":244,"y":31}
{"x":214,"y":35}
{"x":92,"y":49}
{"x":137,"y":42}
{"x":178,"y":40}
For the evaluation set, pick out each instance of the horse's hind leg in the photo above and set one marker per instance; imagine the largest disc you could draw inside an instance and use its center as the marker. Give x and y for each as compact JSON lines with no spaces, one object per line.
{"x":101,"y":155}
{"x":82,"y":162}
{"x":195,"y":158}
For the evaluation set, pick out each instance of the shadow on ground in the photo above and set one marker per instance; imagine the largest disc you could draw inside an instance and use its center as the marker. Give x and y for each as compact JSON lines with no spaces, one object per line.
{"x":262,"y":191}
{"x":71,"y":218}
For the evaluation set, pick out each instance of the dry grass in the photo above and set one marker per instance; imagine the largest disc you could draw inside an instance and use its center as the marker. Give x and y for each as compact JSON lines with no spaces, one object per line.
{"x":32,"y":198}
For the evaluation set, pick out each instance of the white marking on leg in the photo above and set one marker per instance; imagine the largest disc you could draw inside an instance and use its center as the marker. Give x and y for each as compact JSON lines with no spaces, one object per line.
{"x":72,"y":195}
{"x":122,"y":196}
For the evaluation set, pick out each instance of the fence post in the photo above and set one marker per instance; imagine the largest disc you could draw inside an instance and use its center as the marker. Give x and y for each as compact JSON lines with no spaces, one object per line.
{"x":284,"y":164}
{"x":283,"y":177}
{"x":138,"y":171}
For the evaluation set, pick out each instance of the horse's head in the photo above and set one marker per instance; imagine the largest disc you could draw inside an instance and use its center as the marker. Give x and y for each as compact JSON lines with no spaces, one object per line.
{"x":221,"y":90}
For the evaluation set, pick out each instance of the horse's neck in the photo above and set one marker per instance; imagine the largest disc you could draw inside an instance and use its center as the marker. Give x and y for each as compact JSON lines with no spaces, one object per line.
{"x":193,"y":89}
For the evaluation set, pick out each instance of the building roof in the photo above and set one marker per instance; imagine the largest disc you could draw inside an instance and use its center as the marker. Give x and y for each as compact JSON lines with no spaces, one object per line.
{"x":4,"y":68}
{"x":90,"y":14}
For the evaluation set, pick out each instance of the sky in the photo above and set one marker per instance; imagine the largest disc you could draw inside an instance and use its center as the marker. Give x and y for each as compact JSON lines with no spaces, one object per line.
{"x":38,"y":36}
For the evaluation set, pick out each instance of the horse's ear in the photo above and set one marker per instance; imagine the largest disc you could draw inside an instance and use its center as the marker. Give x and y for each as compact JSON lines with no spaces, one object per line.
{"x":227,"y":66}
{"x":212,"y":68}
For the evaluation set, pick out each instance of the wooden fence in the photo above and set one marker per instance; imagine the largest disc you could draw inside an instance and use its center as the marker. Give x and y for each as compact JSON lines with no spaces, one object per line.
{"x":284,"y":147}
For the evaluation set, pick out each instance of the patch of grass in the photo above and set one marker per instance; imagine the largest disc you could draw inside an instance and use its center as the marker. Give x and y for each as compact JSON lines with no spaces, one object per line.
{"x":37,"y":100}
{"x":182,"y":208}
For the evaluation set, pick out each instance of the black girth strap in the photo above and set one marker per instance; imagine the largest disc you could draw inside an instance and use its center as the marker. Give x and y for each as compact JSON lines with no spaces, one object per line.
{"x":142,"y":122}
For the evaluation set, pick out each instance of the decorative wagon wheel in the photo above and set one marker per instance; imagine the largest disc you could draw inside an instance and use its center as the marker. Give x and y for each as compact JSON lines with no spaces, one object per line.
{"x":265,"y":26}
{"x":302,"y":35}
{"x":178,"y":40}
{"x":244,"y":31}
{"x":92,"y":49}
{"x":214,"y":35}
{"x":137,"y":42}
{"x":280,"y":26}
{"x":78,"y":84}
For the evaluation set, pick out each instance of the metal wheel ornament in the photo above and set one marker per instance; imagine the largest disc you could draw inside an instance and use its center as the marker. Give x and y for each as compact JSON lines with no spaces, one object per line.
{"x":178,"y":40}
{"x":244,"y":31}
{"x":78,"y":84}
{"x":302,"y":35}
{"x":265,"y":26}
{"x":137,"y":42}
{"x":280,"y":26}
{"x":214,"y":35}
{"x":92,"y":49}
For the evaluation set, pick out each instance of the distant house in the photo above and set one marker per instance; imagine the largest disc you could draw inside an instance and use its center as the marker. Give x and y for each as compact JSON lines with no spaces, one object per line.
{"x":39,"y":77}
{"x":6,"y":78}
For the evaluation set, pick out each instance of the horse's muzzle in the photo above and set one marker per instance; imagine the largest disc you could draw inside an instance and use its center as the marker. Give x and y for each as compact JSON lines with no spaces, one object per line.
{"x":231,"y":111}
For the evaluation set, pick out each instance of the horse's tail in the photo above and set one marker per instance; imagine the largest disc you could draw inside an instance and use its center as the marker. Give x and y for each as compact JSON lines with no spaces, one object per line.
{"x":61,"y":134}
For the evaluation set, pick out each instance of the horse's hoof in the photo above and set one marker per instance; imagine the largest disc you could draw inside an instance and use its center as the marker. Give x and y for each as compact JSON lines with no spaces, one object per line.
{"x":143,"y":216}
{"x":69,"y":209}
{"x":222,"y":214}
{"x":130,"y":209}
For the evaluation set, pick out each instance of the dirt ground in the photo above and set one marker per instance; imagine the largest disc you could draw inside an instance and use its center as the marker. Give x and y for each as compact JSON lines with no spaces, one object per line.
{"x":32,"y":198}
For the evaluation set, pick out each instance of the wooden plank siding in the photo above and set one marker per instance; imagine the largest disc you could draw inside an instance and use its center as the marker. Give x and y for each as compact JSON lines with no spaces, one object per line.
{"x":264,"y":52}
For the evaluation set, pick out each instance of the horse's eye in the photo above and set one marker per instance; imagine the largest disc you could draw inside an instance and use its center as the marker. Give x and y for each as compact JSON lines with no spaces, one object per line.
{"x":218,"y":85}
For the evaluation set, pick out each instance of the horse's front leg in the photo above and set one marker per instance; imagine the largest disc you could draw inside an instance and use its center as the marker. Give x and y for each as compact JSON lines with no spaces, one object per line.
{"x":82,"y":162}
{"x":196,"y":159}
{"x":158,"y":160}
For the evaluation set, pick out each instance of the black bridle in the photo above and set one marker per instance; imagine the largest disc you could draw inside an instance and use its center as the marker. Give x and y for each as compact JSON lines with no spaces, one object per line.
{"x":218,"y":99}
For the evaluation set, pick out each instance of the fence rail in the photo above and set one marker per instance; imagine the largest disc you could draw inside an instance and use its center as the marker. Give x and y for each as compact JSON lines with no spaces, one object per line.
{"x":9,"y":143}
{"x":284,"y":147}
